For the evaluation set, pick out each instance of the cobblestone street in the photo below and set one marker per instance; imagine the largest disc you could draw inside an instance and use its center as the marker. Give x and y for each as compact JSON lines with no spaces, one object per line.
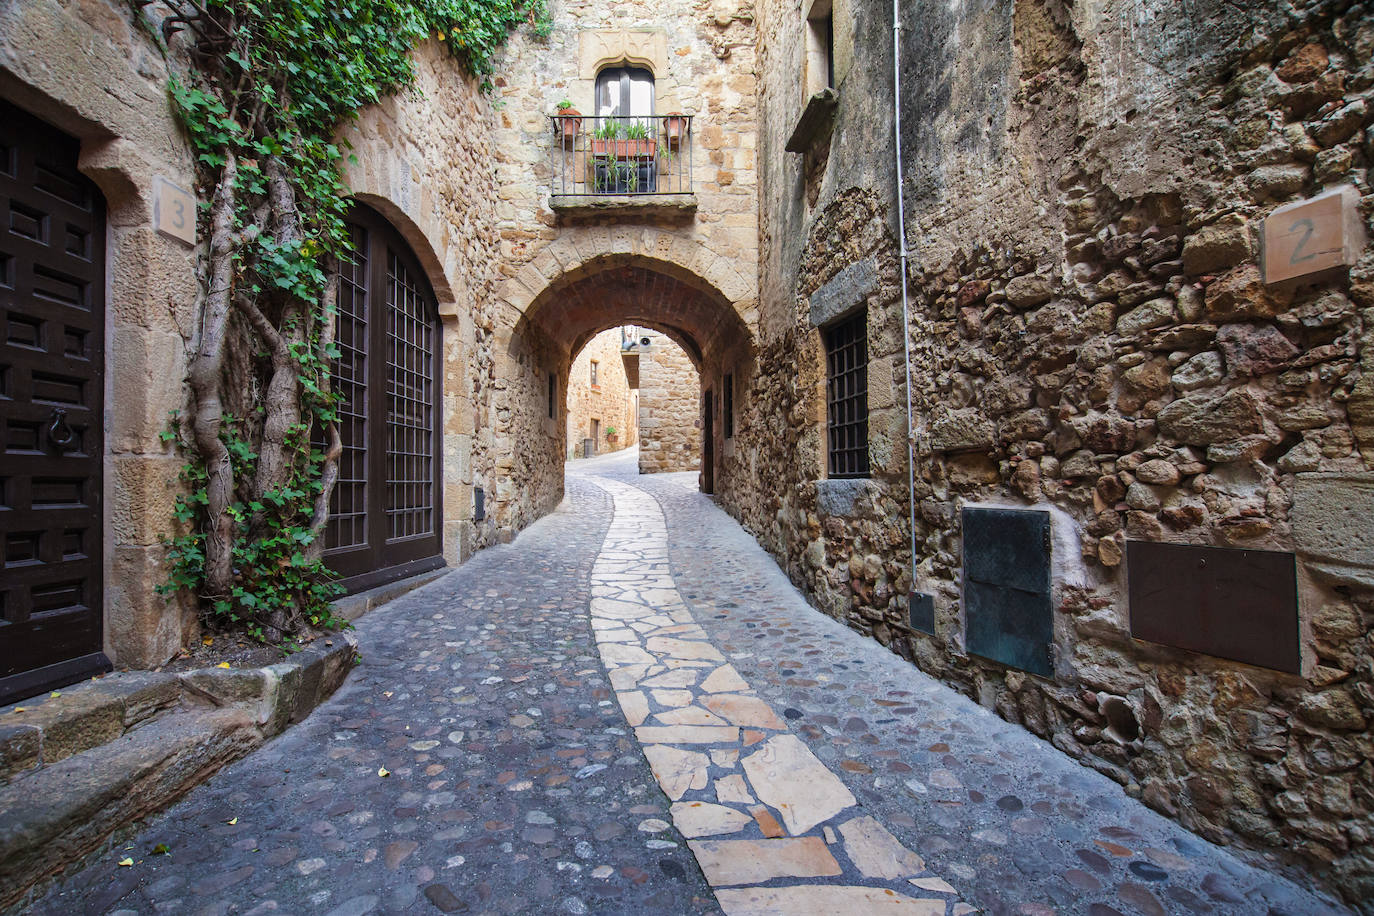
{"x":483,"y":759}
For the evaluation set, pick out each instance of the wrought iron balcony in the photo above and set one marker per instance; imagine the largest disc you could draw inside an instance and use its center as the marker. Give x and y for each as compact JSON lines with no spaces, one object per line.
{"x":622,"y":162}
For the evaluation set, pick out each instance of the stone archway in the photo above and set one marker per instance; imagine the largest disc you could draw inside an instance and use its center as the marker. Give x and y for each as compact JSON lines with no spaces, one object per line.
{"x":647,"y":281}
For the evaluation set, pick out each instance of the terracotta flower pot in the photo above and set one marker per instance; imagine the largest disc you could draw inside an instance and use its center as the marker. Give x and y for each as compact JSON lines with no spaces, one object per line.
{"x":570,"y":123}
{"x":674,"y":126}
{"x":624,"y":149}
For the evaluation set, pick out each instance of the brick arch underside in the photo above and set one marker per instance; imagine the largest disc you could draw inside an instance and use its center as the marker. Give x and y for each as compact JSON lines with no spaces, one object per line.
{"x":597,"y":297}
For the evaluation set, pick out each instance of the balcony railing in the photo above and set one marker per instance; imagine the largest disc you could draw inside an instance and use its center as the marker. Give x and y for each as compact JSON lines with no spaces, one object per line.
{"x":621,"y":155}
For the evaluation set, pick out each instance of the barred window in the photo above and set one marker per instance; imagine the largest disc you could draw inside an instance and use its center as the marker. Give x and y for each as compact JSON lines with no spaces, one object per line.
{"x":846,"y":358}
{"x":593,"y":374}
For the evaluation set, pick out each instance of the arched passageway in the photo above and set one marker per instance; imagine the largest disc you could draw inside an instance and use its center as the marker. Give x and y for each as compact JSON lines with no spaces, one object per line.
{"x":618,"y":290}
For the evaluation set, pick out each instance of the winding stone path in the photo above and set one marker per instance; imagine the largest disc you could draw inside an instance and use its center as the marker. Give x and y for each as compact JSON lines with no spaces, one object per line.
{"x":631,"y":710}
{"x":757,"y":805}
{"x":1013,"y":824}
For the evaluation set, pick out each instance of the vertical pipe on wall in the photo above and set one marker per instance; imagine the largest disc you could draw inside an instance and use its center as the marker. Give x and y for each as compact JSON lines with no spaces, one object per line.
{"x":901,"y":238}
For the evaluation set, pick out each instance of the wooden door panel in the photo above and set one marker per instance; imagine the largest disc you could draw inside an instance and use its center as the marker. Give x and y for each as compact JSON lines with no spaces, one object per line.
{"x":52,"y":285}
{"x":384,"y":512}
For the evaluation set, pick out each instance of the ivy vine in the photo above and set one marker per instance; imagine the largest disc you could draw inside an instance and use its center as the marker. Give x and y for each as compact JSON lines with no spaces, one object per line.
{"x":268,"y":85}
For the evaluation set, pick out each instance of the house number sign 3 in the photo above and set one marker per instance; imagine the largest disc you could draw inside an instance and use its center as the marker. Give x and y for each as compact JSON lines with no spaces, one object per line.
{"x":1313,"y":235}
{"x":174,"y":211}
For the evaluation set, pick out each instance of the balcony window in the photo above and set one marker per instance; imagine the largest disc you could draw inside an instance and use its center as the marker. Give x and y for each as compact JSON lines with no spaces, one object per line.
{"x":625,"y":149}
{"x":625,"y":92}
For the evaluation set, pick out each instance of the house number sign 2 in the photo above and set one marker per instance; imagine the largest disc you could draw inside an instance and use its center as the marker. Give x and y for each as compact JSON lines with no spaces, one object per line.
{"x":1313,"y":235}
{"x":174,"y":211}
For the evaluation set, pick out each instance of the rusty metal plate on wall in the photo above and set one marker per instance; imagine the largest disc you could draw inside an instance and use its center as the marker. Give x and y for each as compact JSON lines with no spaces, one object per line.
{"x":1008,"y":615}
{"x":1236,"y":604}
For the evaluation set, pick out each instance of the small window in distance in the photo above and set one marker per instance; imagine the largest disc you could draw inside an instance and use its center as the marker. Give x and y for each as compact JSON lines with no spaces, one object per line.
{"x":820,"y":47}
{"x":593,"y":374}
{"x":625,"y":91}
{"x":728,"y":404}
{"x":846,"y":396}
{"x":553,"y":393}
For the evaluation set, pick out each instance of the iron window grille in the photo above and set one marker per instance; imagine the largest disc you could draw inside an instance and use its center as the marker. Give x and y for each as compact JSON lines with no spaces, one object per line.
{"x":386,"y":505}
{"x":594,"y":383}
{"x":846,"y":357}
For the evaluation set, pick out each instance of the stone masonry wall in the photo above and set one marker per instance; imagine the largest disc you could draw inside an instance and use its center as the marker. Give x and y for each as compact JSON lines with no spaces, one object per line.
{"x":423,"y":161}
{"x":702,"y":55}
{"x":669,"y":408}
{"x":1092,"y":337}
{"x":612,"y":401}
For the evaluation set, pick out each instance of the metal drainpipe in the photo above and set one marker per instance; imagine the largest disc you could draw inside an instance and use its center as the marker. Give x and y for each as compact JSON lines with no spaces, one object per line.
{"x":906,"y":308}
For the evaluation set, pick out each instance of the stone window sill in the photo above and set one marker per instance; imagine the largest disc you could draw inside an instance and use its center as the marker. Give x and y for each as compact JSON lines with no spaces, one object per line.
{"x":816,"y":122}
{"x":656,"y":205}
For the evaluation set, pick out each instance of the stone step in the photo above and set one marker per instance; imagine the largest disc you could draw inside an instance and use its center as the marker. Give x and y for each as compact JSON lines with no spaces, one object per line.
{"x":81,"y":764}
{"x":65,"y":810}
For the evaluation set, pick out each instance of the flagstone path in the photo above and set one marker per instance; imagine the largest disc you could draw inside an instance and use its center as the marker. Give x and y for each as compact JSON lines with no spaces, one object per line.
{"x":756,"y":805}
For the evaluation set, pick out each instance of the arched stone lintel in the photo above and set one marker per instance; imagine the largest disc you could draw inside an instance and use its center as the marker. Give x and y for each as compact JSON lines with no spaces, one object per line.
{"x":392,"y":193}
{"x":571,"y":258}
{"x":613,"y":47}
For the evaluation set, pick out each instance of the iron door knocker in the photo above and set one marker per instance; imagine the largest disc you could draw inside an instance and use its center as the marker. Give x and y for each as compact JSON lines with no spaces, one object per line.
{"x":62,"y":436}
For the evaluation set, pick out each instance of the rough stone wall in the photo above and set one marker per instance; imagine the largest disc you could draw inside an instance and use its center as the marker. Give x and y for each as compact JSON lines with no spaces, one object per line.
{"x":669,"y":408}
{"x":423,"y":161}
{"x":706,"y":70}
{"x":1091,"y":335}
{"x":612,"y":401}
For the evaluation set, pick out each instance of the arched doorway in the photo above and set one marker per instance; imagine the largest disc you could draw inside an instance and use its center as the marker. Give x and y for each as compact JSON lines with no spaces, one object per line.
{"x":385,"y":513}
{"x":52,"y":444}
{"x":616,"y":290}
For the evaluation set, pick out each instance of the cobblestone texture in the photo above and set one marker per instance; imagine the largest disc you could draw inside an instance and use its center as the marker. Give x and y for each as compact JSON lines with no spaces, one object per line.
{"x":1014,"y":824}
{"x":514,"y":784}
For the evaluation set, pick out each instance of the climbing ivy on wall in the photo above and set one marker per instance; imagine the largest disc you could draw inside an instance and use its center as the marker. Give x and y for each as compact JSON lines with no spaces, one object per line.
{"x":266,"y":87}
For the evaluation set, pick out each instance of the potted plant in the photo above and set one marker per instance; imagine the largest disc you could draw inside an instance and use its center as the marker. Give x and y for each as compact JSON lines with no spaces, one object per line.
{"x":674,"y":127}
{"x":611,"y":435}
{"x":570,"y":120}
{"x":630,"y":142}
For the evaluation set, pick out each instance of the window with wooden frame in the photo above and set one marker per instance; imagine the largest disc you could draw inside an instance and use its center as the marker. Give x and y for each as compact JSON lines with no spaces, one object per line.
{"x":592,"y":375}
{"x":625,"y":92}
{"x":385,"y":511}
{"x":846,"y":389}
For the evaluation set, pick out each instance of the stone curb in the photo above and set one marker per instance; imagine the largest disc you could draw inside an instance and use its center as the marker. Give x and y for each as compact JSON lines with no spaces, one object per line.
{"x":76,"y":768}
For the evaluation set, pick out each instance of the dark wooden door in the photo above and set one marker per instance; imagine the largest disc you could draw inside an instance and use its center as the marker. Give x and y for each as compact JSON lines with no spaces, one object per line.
{"x":385,"y":512}
{"x":52,"y":327}
{"x":708,"y":443}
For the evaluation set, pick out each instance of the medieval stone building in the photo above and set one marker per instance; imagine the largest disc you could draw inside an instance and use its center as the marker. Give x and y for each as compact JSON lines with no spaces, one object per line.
{"x":669,"y":408}
{"x":1046,"y":363}
{"x":602,"y":400}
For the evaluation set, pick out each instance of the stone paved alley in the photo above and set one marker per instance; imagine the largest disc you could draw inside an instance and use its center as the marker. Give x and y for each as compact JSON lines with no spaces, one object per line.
{"x":793,"y":752}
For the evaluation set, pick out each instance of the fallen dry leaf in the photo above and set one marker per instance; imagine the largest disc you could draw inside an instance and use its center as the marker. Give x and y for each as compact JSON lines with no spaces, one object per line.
{"x":232,"y":821}
{"x":383,"y":771}
{"x":222,"y":665}
{"x":126,"y":862}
